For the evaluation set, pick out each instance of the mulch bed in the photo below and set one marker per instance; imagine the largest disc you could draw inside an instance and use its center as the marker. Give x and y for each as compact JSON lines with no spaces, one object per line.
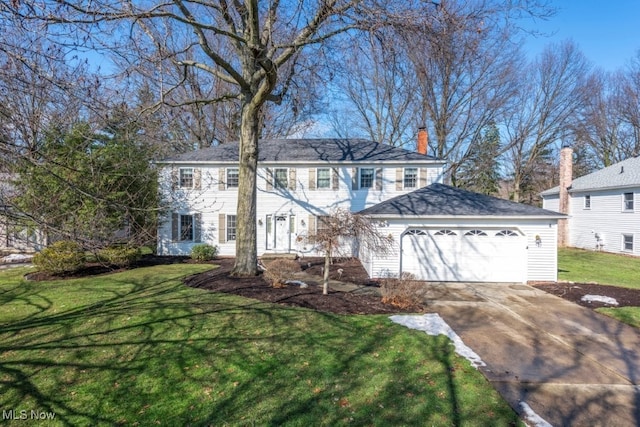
{"x":219,"y":280}
{"x":575,"y":291}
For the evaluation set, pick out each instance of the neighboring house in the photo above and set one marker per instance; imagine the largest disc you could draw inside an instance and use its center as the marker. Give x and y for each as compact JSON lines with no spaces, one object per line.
{"x":602,"y":206}
{"x":14,"y":235}
{"x":442,"y":233}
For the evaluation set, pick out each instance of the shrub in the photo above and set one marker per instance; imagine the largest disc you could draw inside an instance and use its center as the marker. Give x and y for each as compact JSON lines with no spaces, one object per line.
{"x":403,"y":292}
{"x":64,"y":256}
{"x":120,"y":256}
{"x":204,"y":252}
{"x":281,"y":270}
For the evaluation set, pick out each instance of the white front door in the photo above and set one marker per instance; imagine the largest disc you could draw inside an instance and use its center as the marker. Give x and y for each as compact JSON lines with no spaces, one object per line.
{"x":281,"y":233}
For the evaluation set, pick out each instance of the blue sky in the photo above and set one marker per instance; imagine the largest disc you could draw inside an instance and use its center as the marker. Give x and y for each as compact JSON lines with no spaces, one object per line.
{"x":607,"y":32}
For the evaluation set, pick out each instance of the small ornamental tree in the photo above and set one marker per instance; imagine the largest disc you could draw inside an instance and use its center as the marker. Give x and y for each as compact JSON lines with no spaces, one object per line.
{"x":335,"y":233}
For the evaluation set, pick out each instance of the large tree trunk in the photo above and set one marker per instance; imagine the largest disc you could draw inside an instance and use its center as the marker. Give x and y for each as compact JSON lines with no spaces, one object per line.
{"x":246,"y":232}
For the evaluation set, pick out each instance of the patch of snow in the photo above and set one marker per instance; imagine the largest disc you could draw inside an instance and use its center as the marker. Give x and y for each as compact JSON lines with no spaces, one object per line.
{"x":17,"y":258}
{"x":599,"y":298}
{"x":531,"y":417}
{"x":433,"y":324}
{"x":296,"y":282}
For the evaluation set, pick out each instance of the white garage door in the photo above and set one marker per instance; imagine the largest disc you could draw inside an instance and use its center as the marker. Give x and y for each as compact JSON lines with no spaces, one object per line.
{"x":465,"y":255}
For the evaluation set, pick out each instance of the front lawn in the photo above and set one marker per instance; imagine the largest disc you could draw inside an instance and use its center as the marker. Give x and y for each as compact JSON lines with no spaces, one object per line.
{"x":139,"y":348}
{"x":578,"y":265}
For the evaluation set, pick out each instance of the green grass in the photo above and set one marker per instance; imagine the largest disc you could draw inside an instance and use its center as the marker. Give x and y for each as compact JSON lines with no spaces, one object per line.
{"x":628,"y":315}
{"x":139,"y":348}
{"x":578,"y":265}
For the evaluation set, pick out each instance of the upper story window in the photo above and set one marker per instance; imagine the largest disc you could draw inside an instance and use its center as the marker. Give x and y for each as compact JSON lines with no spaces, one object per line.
{"x":323,"y":178}
{"x":410,"y":177}
{"x":232,"y":178}
{"x":587,"y":201}
{"x":628,"y":201}
{"x":186,"y":177}
{"x":367,"y":177}
{"x":280,"y":178}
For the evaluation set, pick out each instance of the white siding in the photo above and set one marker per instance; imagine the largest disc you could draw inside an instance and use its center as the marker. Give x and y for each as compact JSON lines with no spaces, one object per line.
{"x":541,"y":259}
{"x":551,"y":203}
{"x":212,"y":199}
{"x":606,"y":219}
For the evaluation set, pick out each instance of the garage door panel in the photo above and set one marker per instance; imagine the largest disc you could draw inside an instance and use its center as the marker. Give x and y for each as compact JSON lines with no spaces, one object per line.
{"x":460,"y":257}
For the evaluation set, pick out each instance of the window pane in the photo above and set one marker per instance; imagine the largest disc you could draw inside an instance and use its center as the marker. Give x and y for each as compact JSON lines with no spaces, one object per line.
{"x":186,"y":177}
{"x":186,"y":227}
{"x":628,"y":201}
{"x":322,"y":225}
{"x":231,"y":227}
{"x":410,"y":177}
{"x":280,"y":178}
{"x":366,"y":177}
{"x":628,"y":242}
{"x":587,"y":202}
{"x":323,"y":178}
{"x":232,"y":178}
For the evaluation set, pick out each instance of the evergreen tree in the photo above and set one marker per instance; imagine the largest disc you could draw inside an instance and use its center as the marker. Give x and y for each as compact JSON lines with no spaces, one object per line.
{"x":95,"y":188}
{"x":479,"y":170}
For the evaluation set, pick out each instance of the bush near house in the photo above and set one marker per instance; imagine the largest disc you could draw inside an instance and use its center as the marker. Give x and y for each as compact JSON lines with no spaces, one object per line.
{"x":281,"y":270}
{"x":64,"y":256}
{"x":204,"y":252}
{"x":121,"y":256}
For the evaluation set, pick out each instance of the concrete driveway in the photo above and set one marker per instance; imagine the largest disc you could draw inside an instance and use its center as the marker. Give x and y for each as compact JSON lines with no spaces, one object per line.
{"x":571,"y":365}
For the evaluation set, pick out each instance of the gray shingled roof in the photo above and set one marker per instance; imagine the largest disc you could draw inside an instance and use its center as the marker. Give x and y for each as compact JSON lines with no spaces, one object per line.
{"x":623,"y":174}
{"x":443,"y":200}
{"x":308,"y":150}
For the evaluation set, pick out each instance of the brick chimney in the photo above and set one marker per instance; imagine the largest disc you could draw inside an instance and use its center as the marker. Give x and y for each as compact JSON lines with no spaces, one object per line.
{"x":423,"y":140}
{"x":566,"y":176}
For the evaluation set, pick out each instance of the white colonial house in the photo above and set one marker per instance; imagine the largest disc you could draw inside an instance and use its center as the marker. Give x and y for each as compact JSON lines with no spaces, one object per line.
{"x":602,"y":207}
{"x":302,"y":180}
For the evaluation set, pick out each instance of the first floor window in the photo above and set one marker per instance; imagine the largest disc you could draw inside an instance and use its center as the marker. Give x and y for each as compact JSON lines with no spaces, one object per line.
{"x":627,"y":242}
{"x":186,"y":178}
{"x":280,"y":179}
{"x":628,"y":201}
{"x":231,"y":227}
{"x":232,"y":178}
{"x":186,"y":228}
{"x":410,"y":177}
{"x":367,"y":177}
{"x":322,"y":224}
{"x":323,"y":178}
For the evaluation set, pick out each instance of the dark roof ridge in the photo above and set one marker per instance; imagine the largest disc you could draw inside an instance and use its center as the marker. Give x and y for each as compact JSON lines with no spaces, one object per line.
{"x":444,"y":200}
{"x":307,"y":150}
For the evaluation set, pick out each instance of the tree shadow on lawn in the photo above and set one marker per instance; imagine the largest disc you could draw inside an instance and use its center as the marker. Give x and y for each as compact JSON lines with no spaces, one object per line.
{"x":150,"y":349}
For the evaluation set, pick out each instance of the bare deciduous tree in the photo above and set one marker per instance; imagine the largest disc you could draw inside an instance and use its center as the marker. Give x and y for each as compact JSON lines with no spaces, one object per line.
{"x":550,"y":96}
{"x":337,"y":234}
{"x":244,"y":44}
{"x":465,"y":59}
{"x":377,"y":84}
